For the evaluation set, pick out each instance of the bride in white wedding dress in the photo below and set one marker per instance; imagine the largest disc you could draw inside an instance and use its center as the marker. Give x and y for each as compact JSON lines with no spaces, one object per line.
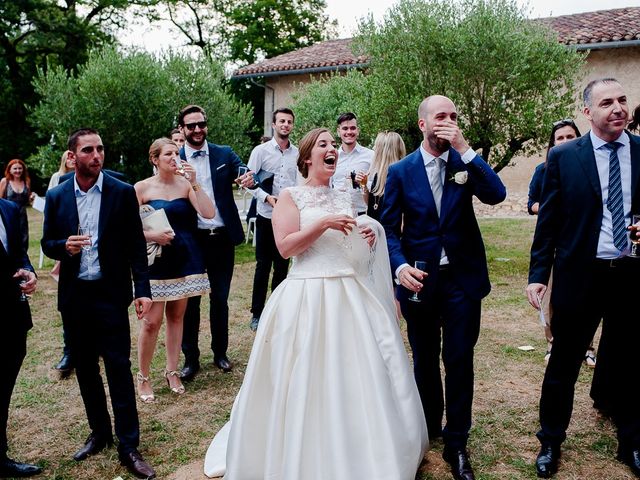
{"x":328,"y":391}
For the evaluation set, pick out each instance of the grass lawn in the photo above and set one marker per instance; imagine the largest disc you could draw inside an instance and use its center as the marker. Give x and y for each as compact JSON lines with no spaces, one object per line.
{"x":47,"y":421}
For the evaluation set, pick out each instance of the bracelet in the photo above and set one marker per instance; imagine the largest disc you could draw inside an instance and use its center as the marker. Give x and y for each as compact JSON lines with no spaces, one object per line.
{"x":196,"y":187}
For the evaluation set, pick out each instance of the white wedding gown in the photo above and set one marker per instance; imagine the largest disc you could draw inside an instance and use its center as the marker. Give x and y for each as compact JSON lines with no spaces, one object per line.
{"x":328,"y":392}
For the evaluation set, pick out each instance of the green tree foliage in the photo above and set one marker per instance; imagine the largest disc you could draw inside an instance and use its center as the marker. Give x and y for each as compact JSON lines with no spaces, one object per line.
{"x":508,"y":76}
{"x":133,"y":99}
{"x":319,"y":103}
{"x":244,"y":31}
{"x":41,"y":34}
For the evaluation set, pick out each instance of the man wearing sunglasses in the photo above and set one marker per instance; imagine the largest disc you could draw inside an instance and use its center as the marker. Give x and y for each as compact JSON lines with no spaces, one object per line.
{"x":217,"y":168}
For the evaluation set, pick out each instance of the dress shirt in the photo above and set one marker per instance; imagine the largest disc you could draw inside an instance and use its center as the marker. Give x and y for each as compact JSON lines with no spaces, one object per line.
{"x":269,"y":157}
{"x":606,"y":248}
{"x":202,"y":166}
{"x":430,"y":167}
{"x":358,"y":160}
{"x":3,"y":235}
{"x":88,"y":204}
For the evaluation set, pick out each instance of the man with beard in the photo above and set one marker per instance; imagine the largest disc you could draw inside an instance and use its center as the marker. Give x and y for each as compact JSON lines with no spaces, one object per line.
{"x":590,"y":191}
{"x":274,"y":163}
{"x":92,"y":225}
{"x":216,"y":168}
{"x":354,"y":161}
{"x":428,"y":217}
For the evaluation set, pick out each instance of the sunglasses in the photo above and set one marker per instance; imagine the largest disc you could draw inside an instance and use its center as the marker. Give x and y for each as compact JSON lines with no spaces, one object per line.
{"x":192,"y":126}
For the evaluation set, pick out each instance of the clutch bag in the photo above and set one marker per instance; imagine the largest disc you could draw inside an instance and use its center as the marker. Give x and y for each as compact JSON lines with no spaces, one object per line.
{"x":154,"y":221}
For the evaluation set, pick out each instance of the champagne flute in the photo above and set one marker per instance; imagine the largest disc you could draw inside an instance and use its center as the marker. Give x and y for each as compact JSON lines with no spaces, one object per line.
{"x":364,"y":180}
{"x":634,"y":236}
{"x":23,"y":296}
{"x":85,"y":231}
{"x":180,"y":165}
{"x":422,"y":266}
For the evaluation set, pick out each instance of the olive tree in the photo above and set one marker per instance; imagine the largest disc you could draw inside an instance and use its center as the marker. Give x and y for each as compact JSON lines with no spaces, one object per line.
{"x":508,"y":75}
{"x":131,"y":99}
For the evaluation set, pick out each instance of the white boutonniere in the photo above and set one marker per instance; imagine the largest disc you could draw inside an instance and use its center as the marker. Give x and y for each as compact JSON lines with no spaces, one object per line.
{"x":460,"y":177}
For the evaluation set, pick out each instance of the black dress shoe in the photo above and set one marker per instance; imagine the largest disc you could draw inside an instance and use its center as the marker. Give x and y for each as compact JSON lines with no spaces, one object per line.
{"x":94,"y":444}
{"x":223,"y":364}
{"x":137,"y":466}
{"x":632,"y":459}
{"x":547,"y":461}
{"x":11,"y":468}
{"x":253,"y":325}
{"x":458,"y":459}
{"x":189,"y":371}
{"x":64,"y":366}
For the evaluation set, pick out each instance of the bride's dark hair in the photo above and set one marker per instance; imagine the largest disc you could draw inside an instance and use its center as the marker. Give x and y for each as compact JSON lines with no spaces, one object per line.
{"x":306,"y":146}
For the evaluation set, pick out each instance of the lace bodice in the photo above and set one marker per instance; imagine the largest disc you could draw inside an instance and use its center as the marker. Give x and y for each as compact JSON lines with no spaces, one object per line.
{"x":333,"y":254}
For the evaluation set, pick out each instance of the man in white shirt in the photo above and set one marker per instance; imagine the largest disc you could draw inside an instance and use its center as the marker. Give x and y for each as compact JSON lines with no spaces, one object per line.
{"x":354,"y":161}
{"x":274,"y":163}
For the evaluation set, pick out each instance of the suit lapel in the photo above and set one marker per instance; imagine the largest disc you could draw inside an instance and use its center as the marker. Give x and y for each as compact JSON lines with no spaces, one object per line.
{"x":587,"y":161}
{"x":69,"y":205}
{"x":635,"y":163}
{"x":213,"y":163}
{"x":105,"y":206}
{"x":420,"y":181}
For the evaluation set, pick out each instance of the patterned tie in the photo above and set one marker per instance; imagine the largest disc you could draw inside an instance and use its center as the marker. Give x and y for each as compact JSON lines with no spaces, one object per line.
{"x":198,"y":153}
{"x":614,"y":202}
{"x":436,"y":182}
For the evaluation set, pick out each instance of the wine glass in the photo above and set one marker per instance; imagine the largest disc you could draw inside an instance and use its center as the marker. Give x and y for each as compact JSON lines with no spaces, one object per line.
{"x":634,"y":236}
{"x":181,"y":171}
{"x":422,"y":266}
{"x":23,"y":296}
{"x":85,"y":230}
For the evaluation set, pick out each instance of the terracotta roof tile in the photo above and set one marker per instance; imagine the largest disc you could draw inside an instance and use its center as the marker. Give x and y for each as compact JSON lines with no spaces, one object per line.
{"x":621,"y":24}
{"x":331,"y":53}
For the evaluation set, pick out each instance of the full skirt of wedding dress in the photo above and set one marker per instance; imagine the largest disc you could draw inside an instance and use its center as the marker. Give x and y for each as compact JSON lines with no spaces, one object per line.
{"x":328,"y":392}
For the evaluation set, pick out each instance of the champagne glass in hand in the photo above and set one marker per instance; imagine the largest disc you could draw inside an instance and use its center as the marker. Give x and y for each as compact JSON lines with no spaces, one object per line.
{"x":422,"y":266}
{"x":634,"y":236}
{"x":181,"y":171}
{"x":85,"y":231}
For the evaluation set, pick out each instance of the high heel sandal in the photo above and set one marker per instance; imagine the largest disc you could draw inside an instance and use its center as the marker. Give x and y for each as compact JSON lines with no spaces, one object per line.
{"x":146,"y":398}
{"x":173,"y":373}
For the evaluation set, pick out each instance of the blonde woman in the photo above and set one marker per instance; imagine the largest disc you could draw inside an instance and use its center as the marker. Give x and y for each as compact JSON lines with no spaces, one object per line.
{"x":178,"y":273}
{"x":388,"y":148}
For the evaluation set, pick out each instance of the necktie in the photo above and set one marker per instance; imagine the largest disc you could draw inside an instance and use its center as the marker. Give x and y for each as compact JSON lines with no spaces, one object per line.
{"x":436,"y":182}
{"x":198,"y":153}
{"x":614,"y":202}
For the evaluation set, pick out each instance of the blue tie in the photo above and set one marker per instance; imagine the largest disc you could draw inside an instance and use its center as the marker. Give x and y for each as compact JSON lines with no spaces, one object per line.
{"x":614,"y":202}
{"x":198,"y":153}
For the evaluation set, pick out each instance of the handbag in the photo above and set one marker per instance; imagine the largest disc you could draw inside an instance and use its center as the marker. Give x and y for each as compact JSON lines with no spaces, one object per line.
{"x":154,"y":221}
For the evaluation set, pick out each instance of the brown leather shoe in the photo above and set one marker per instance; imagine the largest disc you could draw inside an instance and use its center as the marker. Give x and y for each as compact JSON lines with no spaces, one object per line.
{"x":137,"y":466}
{"x":92,"y":445}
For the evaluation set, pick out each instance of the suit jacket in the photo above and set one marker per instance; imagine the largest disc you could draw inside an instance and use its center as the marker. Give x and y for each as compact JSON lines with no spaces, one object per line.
{"x":224,"y":165}
{"x":570,"y":219}
{"x":16,"y":314}
{"x":122,"y":250}
{"x":415,"y":232}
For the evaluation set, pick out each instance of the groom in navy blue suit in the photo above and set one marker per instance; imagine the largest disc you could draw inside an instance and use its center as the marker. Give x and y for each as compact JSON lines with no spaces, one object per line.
{"x":428,"y":216}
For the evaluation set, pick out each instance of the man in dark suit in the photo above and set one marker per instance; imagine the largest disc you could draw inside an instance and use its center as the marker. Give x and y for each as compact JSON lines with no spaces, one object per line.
{"x":92,"y":225}
{"x":217,"y":168}
{"x":428,"y":216}
{"x":15,"y":268}
{"x":590,"y":190}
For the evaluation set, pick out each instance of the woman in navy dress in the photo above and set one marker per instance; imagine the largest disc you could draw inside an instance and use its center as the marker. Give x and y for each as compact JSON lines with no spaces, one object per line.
{"x":177,"y":273}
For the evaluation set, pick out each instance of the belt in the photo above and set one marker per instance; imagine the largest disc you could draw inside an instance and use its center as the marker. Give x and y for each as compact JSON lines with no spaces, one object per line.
{"x":361,"y":213}
{"x":213,"y":230}
{"x":616,"y":262}
{"x":444,"y":267}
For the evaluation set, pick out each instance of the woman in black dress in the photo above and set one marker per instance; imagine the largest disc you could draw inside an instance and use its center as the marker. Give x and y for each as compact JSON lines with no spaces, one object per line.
{"x":16,"y":187}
